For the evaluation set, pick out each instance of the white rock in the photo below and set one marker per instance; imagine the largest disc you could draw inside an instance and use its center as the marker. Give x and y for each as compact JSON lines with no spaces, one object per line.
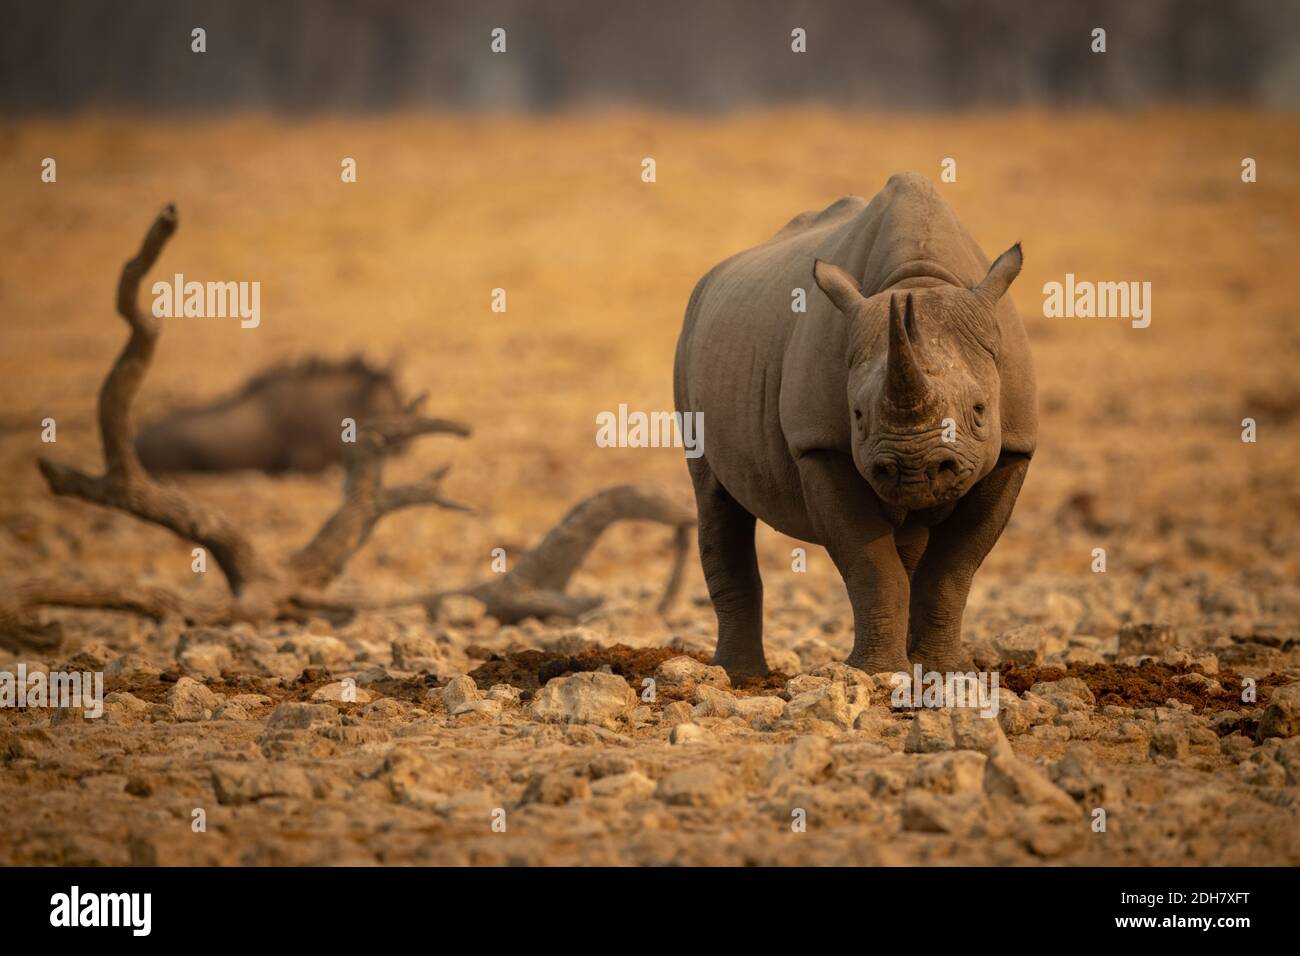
{"x":339,"y":691}
{"x":274,"y":664}
{"x":121,"y":707}
{"x":416,"y":652}
{"x":972,"y":731}
{"x":585,"y":698}
{"x":931,"y":732}
{"x":699,"y":786}
{"x":832,"y":703}
{"x":1064,"y":613}
{"x":239,"y":783}
{"x":960,"y":771}
{"x":632,"y":785}
{"x":415,"y":778}
{"x":190,"y":700}
{"x":1007,"y":776}
{"x":483,"y":707}
{"x":1068,"y":693}
{"x":129,"y":669}
{"x":961,"y":814}
{"x":555,"y":789}
{"x":687,"y":734}
{"x":1282,"y":715}
{"x":292,"y":715}
{"x":712,"y":702}
{"x":845,"y":674}
{"x":759,"y":712}
{"x":208,"y":660}
{"x":678,"y":712}
{"x":459,"y":690}
{"x":809,"y":758}
{"x":506,"y":694}
{"x":320,"y":650}
{"x":1024,"y":645}
{"x":681,"y":675}
{"x":1169,"y":740}
{"x":1145,"y":637}
{"x":803,"y":683}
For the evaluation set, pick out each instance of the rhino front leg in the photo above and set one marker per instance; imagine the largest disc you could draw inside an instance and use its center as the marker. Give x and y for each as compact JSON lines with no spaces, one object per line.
{"x":730,"y":563}
{"x":956,"y":549}
{"x":848,"y":522}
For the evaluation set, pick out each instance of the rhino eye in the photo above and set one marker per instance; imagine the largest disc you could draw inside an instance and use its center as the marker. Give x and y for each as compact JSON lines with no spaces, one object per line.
{"x":857,"y":414}
{"x":979,"y":408}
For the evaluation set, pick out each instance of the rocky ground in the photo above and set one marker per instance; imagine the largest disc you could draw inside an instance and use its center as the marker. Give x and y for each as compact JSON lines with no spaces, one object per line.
{"x":471,"y":742}
{"x":398,"y":739}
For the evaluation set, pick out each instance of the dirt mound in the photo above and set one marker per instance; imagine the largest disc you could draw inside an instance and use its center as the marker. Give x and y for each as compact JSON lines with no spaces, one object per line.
{"x":1150,"y":684}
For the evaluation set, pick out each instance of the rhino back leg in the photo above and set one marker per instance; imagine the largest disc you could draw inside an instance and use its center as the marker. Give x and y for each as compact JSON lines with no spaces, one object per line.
{"x":956,"y":549}
{"x":849,"y":524}
{"x":726,"y":537}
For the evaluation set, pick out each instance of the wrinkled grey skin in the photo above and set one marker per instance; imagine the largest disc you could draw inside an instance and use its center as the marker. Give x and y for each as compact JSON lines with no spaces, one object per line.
{"x":828,"y":425}
{"x":285,"y":419}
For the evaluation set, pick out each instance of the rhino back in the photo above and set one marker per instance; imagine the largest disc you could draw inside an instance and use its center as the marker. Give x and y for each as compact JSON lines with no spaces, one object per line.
{"x":732,"y":350}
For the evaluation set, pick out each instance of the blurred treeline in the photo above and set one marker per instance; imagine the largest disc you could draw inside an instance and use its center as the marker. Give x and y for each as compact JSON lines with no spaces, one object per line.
{"x":303,"y":55}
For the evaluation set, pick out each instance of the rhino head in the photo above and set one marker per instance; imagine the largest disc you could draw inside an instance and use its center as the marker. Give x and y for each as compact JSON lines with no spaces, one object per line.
{"x":922,"y":368}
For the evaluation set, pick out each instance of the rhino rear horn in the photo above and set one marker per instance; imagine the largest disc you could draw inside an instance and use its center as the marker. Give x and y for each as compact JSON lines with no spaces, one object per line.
{"x":1000,"y":275}
{"x":906,"y":386}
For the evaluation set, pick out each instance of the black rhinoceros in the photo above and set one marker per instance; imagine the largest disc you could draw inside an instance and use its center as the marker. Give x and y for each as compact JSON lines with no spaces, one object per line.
{"x":893,"y":422}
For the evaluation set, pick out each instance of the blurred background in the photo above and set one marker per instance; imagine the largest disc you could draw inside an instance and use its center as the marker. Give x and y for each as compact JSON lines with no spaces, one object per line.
{"x":522,"y":171}
{"x":296,"y":55}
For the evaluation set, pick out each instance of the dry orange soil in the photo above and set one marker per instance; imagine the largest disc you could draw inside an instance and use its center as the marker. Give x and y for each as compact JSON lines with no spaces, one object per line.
{"x":1140,"y":454}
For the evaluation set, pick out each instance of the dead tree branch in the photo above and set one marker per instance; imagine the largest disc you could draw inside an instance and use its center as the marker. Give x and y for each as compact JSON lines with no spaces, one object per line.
{"x":366,"y":500}
{"x":535,"y":587}
{"x":125,"y":485}
{"x":259,"y":589}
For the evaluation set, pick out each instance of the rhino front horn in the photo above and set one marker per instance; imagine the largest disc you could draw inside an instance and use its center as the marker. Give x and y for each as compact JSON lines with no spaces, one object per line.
{"x":906,"y":387}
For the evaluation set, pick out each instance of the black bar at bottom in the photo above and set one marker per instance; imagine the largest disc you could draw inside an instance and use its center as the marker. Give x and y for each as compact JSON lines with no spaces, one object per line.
{"x":301,"y":906}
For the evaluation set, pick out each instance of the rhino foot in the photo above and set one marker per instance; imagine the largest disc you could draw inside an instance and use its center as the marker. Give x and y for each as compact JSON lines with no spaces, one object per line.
{"x":949,"y":662}
{"x":739,"y":666}
{"x":879,"y":663}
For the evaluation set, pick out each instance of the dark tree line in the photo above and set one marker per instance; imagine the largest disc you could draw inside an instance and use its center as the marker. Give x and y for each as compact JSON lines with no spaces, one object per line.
{"x":302,"y":55}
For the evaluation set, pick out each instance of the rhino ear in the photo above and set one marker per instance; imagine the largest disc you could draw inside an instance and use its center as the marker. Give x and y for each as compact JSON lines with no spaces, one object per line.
{"x":1000,"y":276}
{"x":840,"y":287}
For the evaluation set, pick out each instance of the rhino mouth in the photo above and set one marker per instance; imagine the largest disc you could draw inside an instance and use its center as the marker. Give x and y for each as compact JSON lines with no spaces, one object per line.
{"x":918,"y":491}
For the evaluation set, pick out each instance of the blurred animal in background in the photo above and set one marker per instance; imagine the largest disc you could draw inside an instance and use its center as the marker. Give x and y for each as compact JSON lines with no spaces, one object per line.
{"x":288,"y":418}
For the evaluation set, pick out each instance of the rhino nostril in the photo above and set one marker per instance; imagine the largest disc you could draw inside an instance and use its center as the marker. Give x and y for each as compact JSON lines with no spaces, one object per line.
{"x":885,"y":472}
{"x":945,"y":467}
